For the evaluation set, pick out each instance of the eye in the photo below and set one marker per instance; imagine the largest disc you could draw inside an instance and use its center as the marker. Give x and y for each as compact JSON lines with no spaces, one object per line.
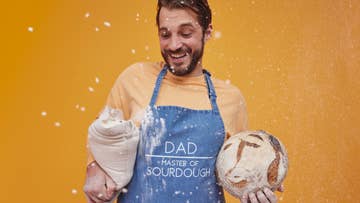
{"x":164,"y":34}
{"x":186,"y":34}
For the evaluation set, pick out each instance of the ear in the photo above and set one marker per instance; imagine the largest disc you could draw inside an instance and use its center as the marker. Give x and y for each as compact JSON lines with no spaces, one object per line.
{"x":208,"y":32}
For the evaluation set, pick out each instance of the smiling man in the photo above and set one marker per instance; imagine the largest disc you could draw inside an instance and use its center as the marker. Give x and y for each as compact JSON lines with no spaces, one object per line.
{"x":182,"y":121}
{"x":182,"y":40}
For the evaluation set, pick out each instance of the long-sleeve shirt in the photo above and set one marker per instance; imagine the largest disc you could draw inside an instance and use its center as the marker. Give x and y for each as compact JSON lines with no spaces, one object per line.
{"x":133,"y":89}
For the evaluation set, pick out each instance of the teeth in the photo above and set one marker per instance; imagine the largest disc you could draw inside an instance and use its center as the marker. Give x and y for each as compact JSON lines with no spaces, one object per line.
{"x":178,"y":55}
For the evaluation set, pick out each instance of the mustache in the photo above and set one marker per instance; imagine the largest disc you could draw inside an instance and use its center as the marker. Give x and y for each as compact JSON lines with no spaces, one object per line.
{"x":177,"y":51}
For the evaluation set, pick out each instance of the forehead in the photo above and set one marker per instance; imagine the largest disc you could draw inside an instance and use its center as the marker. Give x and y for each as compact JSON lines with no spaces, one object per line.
{"x":173,"y":18}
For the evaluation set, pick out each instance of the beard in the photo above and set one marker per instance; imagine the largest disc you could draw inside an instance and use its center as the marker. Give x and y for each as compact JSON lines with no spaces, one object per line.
{"x":195,"y":58}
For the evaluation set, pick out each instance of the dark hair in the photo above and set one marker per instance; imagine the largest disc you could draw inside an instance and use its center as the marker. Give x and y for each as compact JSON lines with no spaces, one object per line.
{"x":200,"y":7}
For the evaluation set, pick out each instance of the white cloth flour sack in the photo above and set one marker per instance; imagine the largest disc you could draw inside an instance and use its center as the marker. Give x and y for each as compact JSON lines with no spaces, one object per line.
{"x":113,"y":143}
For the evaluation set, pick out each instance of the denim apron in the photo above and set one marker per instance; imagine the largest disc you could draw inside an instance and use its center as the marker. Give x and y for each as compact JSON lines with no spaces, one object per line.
{"x":177,"y":153}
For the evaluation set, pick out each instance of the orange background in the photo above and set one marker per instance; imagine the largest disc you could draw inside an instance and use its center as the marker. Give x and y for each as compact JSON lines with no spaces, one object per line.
{"x":296,"y":62}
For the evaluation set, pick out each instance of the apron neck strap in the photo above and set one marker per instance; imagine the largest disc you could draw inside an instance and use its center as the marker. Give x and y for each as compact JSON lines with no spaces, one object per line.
{"x":209,"y":84}
{"x":211,"y":90}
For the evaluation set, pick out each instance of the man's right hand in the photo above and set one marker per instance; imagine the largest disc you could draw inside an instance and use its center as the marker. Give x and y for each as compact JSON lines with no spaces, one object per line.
{"x":99,"y":187}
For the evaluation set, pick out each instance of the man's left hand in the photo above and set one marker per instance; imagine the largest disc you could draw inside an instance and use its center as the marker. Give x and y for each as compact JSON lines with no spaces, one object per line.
{"x":261,"y":196}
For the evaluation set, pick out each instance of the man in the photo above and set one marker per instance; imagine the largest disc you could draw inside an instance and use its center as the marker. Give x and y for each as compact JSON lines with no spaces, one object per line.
{"x":182,"y":121}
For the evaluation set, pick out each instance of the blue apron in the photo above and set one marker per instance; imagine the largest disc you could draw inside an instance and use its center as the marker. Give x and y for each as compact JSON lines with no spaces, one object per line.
{"x":177,"y":153}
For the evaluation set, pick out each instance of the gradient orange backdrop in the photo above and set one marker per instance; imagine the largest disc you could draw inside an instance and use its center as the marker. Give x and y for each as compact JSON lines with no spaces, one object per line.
{"x":297,"y":63}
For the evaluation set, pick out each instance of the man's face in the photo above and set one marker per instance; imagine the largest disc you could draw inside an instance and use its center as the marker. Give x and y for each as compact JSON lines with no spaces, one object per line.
{"x":181,"y":40}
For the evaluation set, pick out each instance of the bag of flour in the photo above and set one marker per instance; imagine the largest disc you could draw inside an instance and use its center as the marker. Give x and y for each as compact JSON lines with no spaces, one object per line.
{"x":113,"y":143}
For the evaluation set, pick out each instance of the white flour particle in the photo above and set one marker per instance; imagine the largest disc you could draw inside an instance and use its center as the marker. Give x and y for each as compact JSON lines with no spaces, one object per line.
{"x":91,"y":89}
{"x":124,"y":190}
{"x":217,"y":34}
{"x":74,"y":191}
{"x":107,"y":24}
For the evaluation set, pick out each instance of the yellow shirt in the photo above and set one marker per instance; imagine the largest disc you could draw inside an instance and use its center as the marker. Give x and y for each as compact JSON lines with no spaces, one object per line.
{"x":133,"y":89}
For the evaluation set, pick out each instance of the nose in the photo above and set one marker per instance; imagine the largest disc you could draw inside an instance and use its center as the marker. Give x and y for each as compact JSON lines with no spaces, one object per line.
{"x":175,"y":43}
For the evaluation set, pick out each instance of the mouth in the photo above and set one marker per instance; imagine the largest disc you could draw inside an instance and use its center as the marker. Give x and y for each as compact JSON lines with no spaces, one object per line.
{"x":178,"y":58}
